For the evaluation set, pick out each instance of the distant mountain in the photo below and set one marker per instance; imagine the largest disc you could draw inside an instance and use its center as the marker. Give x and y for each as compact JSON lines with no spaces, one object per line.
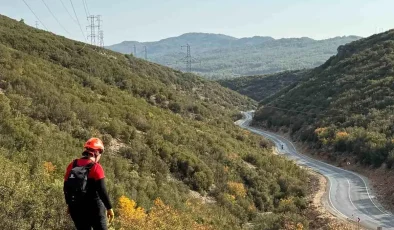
{"x":163,"y":47}
{"x":220,"y":56}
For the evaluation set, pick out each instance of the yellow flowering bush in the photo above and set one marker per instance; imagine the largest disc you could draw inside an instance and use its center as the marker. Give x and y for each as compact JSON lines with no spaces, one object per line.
{"x":237,"y":189}
{"x":160,"y":217}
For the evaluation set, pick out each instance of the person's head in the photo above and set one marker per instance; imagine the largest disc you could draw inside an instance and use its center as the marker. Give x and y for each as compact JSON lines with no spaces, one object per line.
{"x":94,"y":147}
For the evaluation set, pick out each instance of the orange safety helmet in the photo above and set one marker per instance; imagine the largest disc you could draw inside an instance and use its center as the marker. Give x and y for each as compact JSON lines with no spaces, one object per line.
{"x":95,"y":144}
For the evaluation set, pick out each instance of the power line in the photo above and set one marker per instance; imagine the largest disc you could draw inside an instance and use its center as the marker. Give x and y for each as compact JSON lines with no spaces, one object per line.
{"x":85,"y":6}
{"x":76,"y":16}
{"x":55,"y":17}
{"x":68,"y":12}
{"x":35,"y":15}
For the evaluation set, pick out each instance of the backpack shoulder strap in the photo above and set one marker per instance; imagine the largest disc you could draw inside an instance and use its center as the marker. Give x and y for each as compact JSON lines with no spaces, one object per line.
{"x":90,"y":165}
{"x":75,"y":163}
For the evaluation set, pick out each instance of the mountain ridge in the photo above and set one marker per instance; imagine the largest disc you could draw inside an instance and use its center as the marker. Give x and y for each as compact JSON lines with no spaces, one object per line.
{"x":220,"y":56}
{"x":233,"y":38}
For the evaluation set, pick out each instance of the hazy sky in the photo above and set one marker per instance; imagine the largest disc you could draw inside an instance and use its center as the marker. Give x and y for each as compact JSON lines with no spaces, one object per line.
{"x":151,"y":20}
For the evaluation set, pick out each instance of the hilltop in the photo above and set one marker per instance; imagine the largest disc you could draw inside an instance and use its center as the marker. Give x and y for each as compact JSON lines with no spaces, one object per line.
{"x":223,"y":56}
{"x":260,"y":87}
{"x":168,"y":135}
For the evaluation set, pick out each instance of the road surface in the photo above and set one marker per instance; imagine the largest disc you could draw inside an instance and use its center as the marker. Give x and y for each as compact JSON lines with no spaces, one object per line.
{"x":349,"y":195}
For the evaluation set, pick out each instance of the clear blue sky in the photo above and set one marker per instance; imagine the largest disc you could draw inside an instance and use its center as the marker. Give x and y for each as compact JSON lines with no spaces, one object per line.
{"x":151,"y":20}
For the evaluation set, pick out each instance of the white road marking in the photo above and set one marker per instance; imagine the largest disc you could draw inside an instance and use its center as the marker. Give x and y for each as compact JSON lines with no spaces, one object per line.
{"x":349,"y":195}
{"x":279,"y":139}
{"x":311,"y":159}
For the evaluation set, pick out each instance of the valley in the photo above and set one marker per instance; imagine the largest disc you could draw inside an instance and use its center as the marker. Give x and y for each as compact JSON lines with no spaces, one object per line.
{"x":162,"y":127}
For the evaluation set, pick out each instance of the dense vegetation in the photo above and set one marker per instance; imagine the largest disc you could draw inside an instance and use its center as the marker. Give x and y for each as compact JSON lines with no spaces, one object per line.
{"x":344,"y":107}
{"x":262,"y":86}
{"x":223,"y":56}
{"x":166,"y":133}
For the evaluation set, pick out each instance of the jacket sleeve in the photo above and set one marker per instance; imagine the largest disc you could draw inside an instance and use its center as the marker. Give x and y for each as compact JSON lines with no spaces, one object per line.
{"x":103,"y":194}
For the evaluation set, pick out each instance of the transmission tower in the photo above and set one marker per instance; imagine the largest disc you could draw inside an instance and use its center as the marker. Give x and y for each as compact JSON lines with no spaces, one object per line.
{"x":135,"y":51}
{"x":188,"y":60}
{"x":92,"y":28}
{"x":146,"y":53}
{"x":36,"y":24}
{"x":100,"y":31}
{"x":101,"y":38}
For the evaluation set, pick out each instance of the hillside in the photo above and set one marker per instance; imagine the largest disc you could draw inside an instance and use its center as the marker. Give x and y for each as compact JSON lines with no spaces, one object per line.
{"x":261,"y":86}
{"x":167,"y":134}
{"x":344,"y":107}
{"x":223,"y":56}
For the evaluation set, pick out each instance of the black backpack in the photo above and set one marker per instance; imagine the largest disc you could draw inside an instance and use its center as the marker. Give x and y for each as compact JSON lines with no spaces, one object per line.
{"x":75,"y":187}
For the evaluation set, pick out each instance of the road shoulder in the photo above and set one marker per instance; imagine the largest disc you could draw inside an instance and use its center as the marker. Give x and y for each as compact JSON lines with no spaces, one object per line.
{"x":319,"y":204}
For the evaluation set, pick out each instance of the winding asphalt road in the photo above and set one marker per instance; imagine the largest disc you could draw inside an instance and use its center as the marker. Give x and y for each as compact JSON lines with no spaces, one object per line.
{"x":349,"y":195}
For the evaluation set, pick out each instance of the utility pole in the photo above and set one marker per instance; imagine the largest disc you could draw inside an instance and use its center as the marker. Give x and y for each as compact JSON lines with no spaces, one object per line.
{"x":146,"y":53}
{"x":100,"y":31}
{"x":135,"y":51}
{"x":92,"y":28}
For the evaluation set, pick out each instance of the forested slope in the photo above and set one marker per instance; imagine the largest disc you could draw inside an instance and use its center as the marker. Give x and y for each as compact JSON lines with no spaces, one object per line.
{"x":261,"y":86}
{"x":166,"y":133}
{"x":344,"y":107}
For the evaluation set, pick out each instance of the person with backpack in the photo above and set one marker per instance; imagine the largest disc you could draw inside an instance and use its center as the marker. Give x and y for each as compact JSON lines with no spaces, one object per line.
{"x":84,"y":189}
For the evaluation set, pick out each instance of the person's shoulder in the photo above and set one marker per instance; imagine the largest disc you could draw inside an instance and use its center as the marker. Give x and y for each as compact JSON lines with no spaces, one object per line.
{"x":71,"y":163}
{"x":98,"y":167}
{"x":98,"y":171}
